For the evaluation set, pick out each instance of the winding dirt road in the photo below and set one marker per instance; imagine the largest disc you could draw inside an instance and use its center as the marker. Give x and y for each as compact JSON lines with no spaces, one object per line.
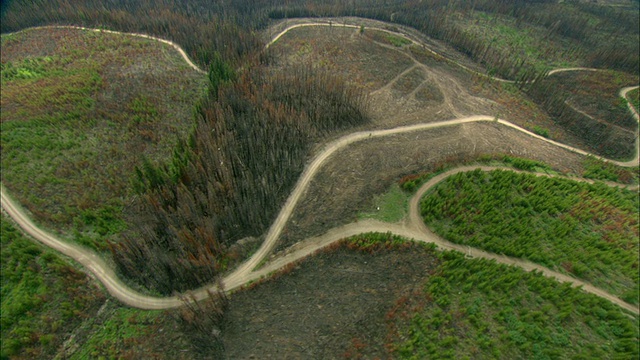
{"x":247,"y":272}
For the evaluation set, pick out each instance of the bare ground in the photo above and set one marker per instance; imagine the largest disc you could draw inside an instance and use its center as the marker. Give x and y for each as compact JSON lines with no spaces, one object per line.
{"x":426,"y":89}
{"x":324,"y":306}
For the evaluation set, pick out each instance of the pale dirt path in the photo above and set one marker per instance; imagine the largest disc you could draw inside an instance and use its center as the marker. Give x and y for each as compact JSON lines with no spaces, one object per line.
{"x":623,"y":94}
{"x":245,"y":272}
{"x":171,"y":43}
{"x":634,"y":111}
{"x":620,"y":128}
{"x":555,"y":71}
{"x":395,"y":79}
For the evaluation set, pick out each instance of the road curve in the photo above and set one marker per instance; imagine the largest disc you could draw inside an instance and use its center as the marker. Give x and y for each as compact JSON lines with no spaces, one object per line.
{"x":87,"y":258}
{"x":245,"y":272}
{"x":623,"y":94}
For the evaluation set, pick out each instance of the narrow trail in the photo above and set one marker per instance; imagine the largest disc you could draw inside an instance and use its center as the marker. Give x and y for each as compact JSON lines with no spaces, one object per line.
{"x":395,"y":79}
{"x":247,"y":272}
{"x":620,"y":128}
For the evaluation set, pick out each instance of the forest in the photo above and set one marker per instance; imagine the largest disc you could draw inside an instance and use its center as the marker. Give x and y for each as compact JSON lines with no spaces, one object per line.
{"x":587,"y":230}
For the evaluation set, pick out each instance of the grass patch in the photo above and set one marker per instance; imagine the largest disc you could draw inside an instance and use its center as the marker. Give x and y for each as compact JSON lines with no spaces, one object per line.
{"x":32,"y":68}
{"x":398,"y":41}
{"x":588,"y":231}
{"x":386,"y":38}
{"x":541,"y":131}
{"x":389,"y":207}
{"x":120,"y":331}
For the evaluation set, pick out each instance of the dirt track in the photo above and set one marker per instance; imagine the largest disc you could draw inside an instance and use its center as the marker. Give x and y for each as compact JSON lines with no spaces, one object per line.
{"x":246,"y":273}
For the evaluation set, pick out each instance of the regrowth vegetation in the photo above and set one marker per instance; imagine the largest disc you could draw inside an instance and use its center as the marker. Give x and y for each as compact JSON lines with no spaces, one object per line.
{"x":43,"y":297}
{"x":475,"y":308}
{"x":78,"y":110}
{"x":589,"y":231}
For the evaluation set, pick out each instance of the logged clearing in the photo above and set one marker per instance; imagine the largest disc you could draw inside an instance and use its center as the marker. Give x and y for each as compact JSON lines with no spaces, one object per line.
{"x":81,"y":109}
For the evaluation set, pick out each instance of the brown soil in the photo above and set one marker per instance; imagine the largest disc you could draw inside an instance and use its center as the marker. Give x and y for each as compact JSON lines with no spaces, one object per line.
{"x":410,"y":84}
{"x":324,"y":306}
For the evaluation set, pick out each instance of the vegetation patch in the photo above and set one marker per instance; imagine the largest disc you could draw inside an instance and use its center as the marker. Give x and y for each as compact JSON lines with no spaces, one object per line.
{"x":588,"y":231}
{"x":386,"y":38}
{"x":634,"y":97}
{"x":475,"y":308}
{"x":597,"y":169}
{"x":541,"y":131}
{"x":43,"y":298}
{"x":119,"y":333}
{"x":390,"y":206}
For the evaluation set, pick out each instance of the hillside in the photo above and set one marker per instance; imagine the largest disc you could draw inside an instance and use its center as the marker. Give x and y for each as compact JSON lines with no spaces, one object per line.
{"x":247,"y":171}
